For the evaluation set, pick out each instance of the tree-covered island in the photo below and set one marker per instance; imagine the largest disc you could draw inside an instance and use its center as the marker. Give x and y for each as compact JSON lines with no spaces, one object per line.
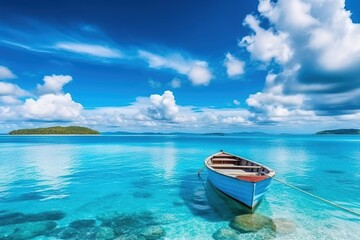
{"x":340,"y":131}
{"x":54,"y":130}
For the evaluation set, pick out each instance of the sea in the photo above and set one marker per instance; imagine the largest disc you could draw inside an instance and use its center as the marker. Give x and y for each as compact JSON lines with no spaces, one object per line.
{"x":148,"y":187}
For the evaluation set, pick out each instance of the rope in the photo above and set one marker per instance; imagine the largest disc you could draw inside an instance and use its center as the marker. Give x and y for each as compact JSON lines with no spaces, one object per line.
{"x":317,"y":197}
{"x":200,"y":170}
{"x":307,"y":193}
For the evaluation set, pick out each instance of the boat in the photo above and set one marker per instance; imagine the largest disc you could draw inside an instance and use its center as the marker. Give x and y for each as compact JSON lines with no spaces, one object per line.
{"x":239,"y":178}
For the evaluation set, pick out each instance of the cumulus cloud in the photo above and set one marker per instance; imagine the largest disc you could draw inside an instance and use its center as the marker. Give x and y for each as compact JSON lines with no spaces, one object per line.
{"x":234,"y":67}
{"x":7,"y":113}
{"x":10,"y":89}
{"x":50,"y":107}
{"x":273,"y":105}
{"x":316,"y":48}
{"x":9,"y":100}
{"x":266,"y":45}
{"x":10,"y":93}
{"x":294,"y":14}
{"x":54,"y":83}
{"x":52,"y":104}
{"x":197,"y":71}
{"x":274,"y":93}
{"x":163,"y":107}
{"x":89,"y":49}
{"x":330,"y":36}
{"x":136,"y":118}
{"x":270,"y":107}
{"x":158,"y":112}
{"x":5,"y":73}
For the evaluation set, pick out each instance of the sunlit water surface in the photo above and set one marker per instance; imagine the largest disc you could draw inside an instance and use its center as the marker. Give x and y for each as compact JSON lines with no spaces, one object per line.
{"x":143,"y":177}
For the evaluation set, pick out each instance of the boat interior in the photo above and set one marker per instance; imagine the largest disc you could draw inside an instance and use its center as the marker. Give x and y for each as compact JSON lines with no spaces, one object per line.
{"x":235,"y":166}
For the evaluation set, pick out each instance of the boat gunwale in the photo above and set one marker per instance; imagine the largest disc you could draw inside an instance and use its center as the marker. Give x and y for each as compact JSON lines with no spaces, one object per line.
{"x":271,"y":173}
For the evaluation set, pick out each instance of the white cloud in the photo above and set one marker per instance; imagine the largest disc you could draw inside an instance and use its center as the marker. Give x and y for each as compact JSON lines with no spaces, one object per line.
{"x":19,"y":45}
{"x":197,"y":71}
{"x":236,"y":102}
{"x":235,"y":120}
{"x":316,"y":47}
{"x":159,"y":112}
{"x":351,"y":117}
{"x":9,"y":100}
{"x":234,"y":67}
{"x":322,"y":27}
{"x":10,"y":93}
{"x":90,"y":45}
{"x":273,"y":105}
{"x":266,"y":45}
{"x":163,"y":107}
{"x":223,"y":118}
{"x":174,"y":61}
{"x":11,"y":90}
{"x":175,"y":83}
{"x":8,"y":113}
{"x":268,"y":107}
{"x":5,"y":73}
{"x":54,"y":83}
{"x":51,"y":107}
{"x":294,"y":14}
{"x":261,"y":99}
{"x":153,"y":114}
{"x":89,"y":49}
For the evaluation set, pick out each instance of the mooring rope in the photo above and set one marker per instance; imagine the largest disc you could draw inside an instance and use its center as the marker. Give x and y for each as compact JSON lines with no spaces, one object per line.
{"x":200,"y":170}
{"x":317,"y":197}
{"x":307,"y":193}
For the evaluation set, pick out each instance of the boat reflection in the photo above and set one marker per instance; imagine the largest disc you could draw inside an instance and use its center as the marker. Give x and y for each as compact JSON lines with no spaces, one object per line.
{"x":205,"y":201}
{"x":224,"y":206}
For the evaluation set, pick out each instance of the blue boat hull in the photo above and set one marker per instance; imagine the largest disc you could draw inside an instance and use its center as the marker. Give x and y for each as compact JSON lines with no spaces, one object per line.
{"x":247,"y":193}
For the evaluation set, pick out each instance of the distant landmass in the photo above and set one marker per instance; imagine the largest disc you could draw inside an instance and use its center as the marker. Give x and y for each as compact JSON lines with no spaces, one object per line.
{"x":340,"y":131}
{"x":184,"y":133}
{"x":55,"y":130}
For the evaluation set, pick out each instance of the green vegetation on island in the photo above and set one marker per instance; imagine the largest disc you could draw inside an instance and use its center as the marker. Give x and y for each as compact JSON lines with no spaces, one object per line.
{"x":55,"y":130}
{"x":340,"y":131}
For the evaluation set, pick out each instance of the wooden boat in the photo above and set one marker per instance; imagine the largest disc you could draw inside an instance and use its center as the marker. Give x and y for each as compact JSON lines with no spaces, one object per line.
{"x":239,"y":178}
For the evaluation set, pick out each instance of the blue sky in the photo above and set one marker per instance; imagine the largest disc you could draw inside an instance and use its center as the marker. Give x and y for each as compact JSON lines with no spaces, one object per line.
{"x":169,"y":66}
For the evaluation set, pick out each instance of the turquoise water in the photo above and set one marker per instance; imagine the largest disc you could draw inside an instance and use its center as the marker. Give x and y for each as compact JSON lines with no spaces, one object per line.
{"x":151,"y":184}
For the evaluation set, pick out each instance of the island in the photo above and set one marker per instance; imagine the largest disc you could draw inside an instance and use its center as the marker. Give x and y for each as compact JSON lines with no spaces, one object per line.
{"x":340,"y":131}
{"x":55,"y":131}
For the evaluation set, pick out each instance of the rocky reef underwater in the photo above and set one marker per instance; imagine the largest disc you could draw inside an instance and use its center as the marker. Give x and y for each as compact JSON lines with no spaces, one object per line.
{"x":255,"y":226}
{"x":134,"y":226}
{"x":202,"y":202}
{"x":109,"y":225}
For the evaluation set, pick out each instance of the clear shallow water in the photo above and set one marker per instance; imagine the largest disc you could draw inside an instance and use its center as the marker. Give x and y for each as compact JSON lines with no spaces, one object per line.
{"x":142,"y":177}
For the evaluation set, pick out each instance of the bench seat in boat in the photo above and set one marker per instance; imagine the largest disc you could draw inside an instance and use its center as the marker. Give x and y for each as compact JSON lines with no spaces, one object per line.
{"x":232,"y":166}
